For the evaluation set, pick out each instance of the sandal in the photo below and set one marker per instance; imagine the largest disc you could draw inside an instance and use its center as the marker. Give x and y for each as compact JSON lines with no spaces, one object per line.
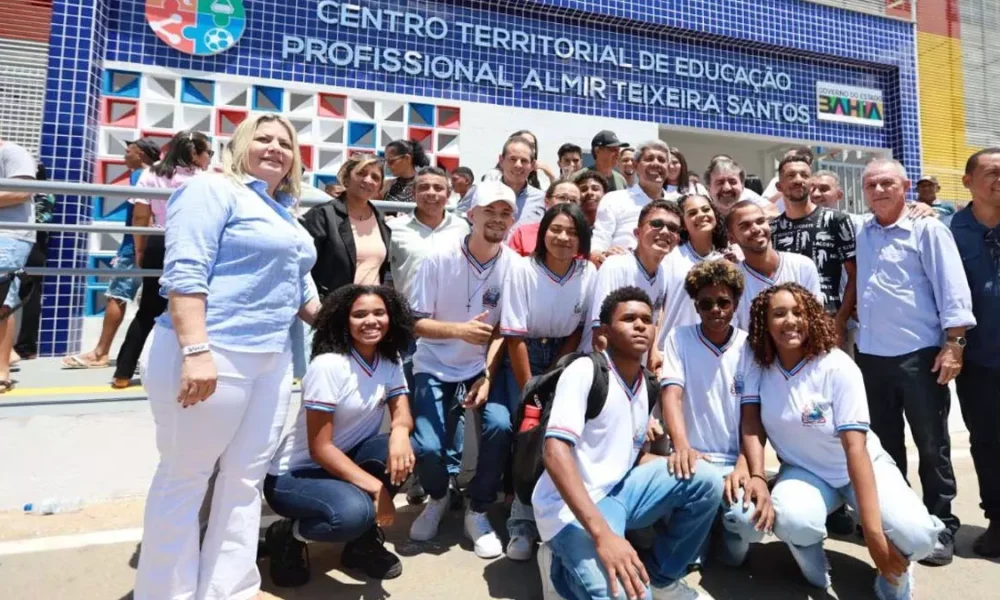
{"x":6,"y":385}
{"x":78,"y":362}
{"x":120,"y":384}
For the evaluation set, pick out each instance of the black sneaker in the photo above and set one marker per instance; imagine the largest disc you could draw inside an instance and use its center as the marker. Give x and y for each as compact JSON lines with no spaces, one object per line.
{"x":988,"y":544}
{"x":368,"y":553}
{"x":289,"y":556}
{"x":944,"y":551}
{"x":839,"y":522}
{"x":416,"y":493}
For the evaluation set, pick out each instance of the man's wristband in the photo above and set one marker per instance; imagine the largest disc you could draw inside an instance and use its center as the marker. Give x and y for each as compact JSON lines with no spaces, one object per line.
{"x":759,"y":476}
{"x":195,"y":349}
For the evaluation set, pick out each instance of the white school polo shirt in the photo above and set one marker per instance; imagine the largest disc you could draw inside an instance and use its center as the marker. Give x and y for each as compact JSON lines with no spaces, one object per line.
{"x":711,"y":402}
{"x":354,"y":391}
{"x":540,"y":304}
{"x":411,"y":240}
{"x":792,"y":268}
{"x":678,"y":309}
{"x":453,"y":287}
{"x":805,"y":409}
{"x":605,"y":447}
{"x":620,"y":271}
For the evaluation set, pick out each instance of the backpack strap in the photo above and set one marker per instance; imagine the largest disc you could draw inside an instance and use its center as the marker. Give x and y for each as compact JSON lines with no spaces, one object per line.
{"x":599,"y":388}
{"x":652,"y":389}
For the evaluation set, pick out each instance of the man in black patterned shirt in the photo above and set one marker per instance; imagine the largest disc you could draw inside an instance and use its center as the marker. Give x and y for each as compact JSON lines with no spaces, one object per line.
{"x":824,"y":235}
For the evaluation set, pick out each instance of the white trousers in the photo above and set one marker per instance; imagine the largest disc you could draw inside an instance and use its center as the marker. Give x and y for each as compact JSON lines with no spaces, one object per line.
{"x":239,"y":427}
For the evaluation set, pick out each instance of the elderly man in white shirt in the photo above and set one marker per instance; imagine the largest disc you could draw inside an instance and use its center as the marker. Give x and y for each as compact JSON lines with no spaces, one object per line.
{"x":725,"y":179}
{"x":618,"y":214}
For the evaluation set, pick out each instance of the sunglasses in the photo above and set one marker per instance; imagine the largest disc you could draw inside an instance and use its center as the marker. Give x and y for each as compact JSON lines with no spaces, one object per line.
{"x":707,"y":304}
{"x":661,"y":223}
{"x":29,"y":287}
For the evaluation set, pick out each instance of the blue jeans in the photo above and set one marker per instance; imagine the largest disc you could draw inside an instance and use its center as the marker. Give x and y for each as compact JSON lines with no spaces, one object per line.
{"x":541,"y":354}
{"x":439,"y":432}
{"x":13,"y":256}
{"x":802,"y":502}
{"x":325,"y":508}
{"x":124,"y":288}
{"x":642,"y":499}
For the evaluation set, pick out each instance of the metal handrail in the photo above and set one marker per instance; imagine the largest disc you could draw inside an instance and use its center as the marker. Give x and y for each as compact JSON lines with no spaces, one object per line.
{"x":124,"y":191}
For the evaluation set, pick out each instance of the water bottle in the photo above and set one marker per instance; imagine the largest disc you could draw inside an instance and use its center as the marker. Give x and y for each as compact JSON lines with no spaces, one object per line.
{"x":532,"y":417}
{"x":54,"y":506}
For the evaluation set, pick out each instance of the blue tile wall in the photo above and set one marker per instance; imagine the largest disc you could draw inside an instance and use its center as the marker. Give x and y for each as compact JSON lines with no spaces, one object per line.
{"x":809,"y":42}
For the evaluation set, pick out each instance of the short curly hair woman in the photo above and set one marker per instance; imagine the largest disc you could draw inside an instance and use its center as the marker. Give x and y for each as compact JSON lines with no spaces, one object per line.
{"x":334,"y":475}
{"x":807,"y":398}
{"x":821,"y":336}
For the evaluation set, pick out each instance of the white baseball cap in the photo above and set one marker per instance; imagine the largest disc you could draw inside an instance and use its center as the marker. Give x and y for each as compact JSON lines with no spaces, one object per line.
{"x":489,"y":192}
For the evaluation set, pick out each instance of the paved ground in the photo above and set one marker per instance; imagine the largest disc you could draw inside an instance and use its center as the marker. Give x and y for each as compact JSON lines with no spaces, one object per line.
{"x":71,"y":436}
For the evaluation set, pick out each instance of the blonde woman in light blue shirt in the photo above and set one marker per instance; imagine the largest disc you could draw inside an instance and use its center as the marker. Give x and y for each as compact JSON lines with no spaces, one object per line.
{"x":218,"y":365}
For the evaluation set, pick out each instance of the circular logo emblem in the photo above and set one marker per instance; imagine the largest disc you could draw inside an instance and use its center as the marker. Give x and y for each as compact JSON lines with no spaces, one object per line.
{"x":198,"y":27}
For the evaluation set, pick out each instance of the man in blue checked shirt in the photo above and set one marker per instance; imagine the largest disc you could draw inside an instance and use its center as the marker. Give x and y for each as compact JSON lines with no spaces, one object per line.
{"x":977,"y":233}
{"x":914,"y":307}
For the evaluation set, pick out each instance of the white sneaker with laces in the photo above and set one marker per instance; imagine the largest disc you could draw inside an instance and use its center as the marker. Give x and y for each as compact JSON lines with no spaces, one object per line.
{"x":425,"y":526}
{"x":678,"y":590}
{"x":484,"y":539}
{"x":520,"y":548}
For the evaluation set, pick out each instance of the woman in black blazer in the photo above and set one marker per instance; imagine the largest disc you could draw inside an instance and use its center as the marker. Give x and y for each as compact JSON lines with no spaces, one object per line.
{"x":352,"y":240}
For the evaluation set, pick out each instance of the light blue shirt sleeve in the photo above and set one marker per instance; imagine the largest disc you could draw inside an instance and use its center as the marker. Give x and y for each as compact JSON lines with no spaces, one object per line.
{"x":197,"y":213}
{"x":943,"y":264}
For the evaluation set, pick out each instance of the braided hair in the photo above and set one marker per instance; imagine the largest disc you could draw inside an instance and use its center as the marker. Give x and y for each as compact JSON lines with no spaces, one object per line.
{"x":821,"y":336}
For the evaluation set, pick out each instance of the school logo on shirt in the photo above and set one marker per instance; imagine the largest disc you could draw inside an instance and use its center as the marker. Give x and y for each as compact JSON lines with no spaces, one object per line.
{"x":491,"y":297}
{"x":660,"y":301}
{"x":738,"y":385}
{"x":578,"y":308}
{"x":815,"y":414}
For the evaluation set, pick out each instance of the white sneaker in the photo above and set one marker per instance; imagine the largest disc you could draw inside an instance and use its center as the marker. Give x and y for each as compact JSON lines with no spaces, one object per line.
{"x":520,"y":548}
{"x":678,"y":590}
{"x":425,"y":526}
{"x":479,"y":530}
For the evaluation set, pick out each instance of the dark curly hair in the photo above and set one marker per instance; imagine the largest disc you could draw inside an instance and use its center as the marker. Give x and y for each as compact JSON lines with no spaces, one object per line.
{"x":821,"y":336}
{"x":629,"y":293}
{"x":333,"y":332}
{"x":714,"y":272}
{"x":720,"y":237}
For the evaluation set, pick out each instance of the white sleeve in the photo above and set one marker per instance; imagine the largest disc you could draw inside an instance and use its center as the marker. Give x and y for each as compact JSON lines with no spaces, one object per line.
{"x":810,"y":279}
{"x":514,"y":316}
{"x":850,"y":402}
{"x":423,"y":288}
{"x":569,"y":404}
{"x":604,"y":226}
{"x":396,"y":386}
{"x":589,"y":282}
{"x":748,"y":376}
{"x":17,"y":163}
{"x":324,"y":383}
{"x":607,"y":282}
{"x":672,"y":371}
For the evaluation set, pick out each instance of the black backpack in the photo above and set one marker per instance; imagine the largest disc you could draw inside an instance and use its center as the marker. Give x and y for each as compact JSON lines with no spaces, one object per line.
{"x":539,"y":391}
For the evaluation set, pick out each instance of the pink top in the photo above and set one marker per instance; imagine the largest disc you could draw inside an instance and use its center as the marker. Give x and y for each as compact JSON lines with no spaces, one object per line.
{"x":524,"y":238}
{"x":370,"y":250}
{"x":158,"y":206}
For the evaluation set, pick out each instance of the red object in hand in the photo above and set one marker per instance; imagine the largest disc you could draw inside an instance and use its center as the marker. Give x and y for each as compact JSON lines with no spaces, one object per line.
{"x":532,"y":417}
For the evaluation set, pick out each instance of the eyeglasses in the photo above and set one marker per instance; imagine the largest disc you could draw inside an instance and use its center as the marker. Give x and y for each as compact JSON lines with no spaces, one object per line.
{"x":661,"y":223}
{"x":564,"y":198}
{"x":708,"y":304}
{"x":993,"y":243}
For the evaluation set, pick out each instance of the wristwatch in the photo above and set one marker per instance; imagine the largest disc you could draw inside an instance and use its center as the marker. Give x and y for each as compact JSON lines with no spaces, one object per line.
{"x":958,"y":340}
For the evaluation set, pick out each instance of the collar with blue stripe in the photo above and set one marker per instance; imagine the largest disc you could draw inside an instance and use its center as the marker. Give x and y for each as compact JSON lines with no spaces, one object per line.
{"x":369,"y":369}
{"x":760,"y":276}
{"x":717,"y":350}
{"x":650,"y":277}
{"x":794,"y":370}
{"x":556,"y":278}
{"x":478,"y":266}
{"x":631,"y":390}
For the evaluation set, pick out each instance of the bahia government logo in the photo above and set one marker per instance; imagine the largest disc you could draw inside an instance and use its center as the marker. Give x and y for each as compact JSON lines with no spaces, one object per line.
{"x":198,"y":27}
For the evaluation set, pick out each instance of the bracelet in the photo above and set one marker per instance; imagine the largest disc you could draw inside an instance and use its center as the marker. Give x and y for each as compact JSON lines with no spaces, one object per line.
{"x":195,"y":349}
{"x":759,"y":476}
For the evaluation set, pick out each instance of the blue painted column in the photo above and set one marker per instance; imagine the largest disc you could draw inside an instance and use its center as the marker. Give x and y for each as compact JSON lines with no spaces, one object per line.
{"x":69,"y":146}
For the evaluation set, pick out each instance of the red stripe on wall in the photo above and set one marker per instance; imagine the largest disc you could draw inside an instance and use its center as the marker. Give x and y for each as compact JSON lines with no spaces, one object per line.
{"x":28,"y":20}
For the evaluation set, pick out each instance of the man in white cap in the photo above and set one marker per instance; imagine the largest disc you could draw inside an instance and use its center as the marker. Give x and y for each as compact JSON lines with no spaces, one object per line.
{"x":456,"y":299}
